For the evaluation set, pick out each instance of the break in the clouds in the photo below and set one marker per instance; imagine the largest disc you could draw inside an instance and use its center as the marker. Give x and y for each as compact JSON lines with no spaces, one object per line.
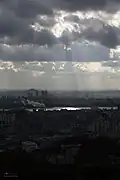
{"x":42,"y":23}
{"x":39,"y":22}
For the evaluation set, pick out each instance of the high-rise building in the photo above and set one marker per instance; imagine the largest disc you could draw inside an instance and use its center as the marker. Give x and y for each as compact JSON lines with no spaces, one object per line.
{"x":33,"y":93}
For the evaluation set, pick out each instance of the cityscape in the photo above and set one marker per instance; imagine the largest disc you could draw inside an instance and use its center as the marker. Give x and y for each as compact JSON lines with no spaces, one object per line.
{"x":60,"y":89}
{"x":43,"y":121}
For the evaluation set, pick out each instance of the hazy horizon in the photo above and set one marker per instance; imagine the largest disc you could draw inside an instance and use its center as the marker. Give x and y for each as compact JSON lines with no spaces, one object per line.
{"x":61,"y":90}
{"x":61,"y":76}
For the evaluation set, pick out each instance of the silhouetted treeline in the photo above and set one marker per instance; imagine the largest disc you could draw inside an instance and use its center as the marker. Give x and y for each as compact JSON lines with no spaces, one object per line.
{"x":60,"y":101}
{"x":55,"y":101}
{"x":48,"y":123}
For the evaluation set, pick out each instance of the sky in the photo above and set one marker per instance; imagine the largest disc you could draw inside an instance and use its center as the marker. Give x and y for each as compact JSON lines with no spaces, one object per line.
{"x":60,"y":44}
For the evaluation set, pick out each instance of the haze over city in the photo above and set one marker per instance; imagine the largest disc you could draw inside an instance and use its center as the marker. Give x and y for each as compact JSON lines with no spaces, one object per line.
{"x":60,"y":44}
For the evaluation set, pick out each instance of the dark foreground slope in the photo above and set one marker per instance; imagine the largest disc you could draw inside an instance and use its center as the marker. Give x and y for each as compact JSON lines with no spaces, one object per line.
{"x":97,"y":159}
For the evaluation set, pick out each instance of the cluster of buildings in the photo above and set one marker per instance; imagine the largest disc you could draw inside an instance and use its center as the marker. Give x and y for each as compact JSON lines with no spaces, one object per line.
{"x":25,"y":93}
{"x":7,"y":118}
{"x":34,"y":93}
{"x":40,"y":122}
{"x":105,"y":127}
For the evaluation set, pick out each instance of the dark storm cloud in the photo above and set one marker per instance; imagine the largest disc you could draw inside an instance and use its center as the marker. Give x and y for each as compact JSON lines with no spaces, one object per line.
{"x":45,"y":37}
{"x":68,"y":37}
{"x":42,"y":38}
{"x":27,"y":8}
{"x":107,"y":36}
{"x":110,"y":39}
{"x":16,"y":30}
{"x":10,"y":25}
{"x":31,"y":8}
{"x":17,"y":16}
{"x":73,"y":5}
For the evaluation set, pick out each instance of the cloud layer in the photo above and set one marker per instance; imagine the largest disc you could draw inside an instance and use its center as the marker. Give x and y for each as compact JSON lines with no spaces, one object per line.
{"x":35,"y":7}
{"x":88,"y":4}
{"x":36,"y":29}
{"x":17,"y":16}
